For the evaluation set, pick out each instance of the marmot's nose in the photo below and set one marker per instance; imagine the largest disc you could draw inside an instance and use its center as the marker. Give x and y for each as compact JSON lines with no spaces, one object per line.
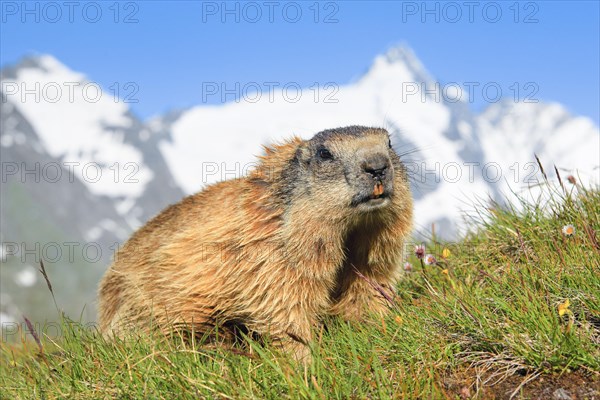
{"x":376,"y":166}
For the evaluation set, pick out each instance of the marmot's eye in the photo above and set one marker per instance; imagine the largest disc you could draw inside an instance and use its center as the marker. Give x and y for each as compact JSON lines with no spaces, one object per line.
{"x":324,"y":154}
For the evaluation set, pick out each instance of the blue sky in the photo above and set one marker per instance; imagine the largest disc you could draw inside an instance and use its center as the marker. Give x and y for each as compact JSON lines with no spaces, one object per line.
{"x":170,"y":48}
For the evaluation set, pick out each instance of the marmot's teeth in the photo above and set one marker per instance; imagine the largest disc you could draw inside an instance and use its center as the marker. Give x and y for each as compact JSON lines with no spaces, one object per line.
{"x":377,"y":190}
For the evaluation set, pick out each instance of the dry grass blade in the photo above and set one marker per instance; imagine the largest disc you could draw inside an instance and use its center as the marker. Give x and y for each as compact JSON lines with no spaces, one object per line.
{"x":33,"y":333}
{"x":491,"y":368}
{"x":560,"y":180}
{"x":375,"y":286}
{"x":45,"y":275}
{"x":541,"y":168}
{"x":591,"y":233}
{"x":31,"y":330}
{"x":525,"y":381}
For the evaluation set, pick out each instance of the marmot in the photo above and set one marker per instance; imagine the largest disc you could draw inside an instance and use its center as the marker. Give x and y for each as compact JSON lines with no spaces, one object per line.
{"x":303,"y":236}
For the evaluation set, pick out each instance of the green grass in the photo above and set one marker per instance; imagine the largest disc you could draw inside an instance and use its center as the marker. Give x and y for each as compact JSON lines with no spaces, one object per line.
{"x":487,"y":313}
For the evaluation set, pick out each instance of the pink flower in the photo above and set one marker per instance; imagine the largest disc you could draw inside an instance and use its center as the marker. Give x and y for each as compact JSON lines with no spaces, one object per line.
{"x":420,"y":251}
{"x":408,"y":267}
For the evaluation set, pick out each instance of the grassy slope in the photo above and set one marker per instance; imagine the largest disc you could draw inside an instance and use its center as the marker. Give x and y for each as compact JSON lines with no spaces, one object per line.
{"x":488,"y":312}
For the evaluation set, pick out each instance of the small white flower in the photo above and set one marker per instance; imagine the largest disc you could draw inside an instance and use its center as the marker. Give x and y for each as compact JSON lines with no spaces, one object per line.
{"x":429,"y":259}
{"x":568,"y":230}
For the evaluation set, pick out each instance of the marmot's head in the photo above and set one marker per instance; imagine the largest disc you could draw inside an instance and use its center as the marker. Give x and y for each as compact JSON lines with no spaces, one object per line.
{"x":348,"y":171}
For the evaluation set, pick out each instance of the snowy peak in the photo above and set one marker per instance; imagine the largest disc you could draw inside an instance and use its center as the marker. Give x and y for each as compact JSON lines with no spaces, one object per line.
{"x":78,"y":121}
{"x":548,"y":130}
{"x":45,"y":63}
{"x":525,"y":115}
{"x":406,"y":56}
{"x":399,"y":62}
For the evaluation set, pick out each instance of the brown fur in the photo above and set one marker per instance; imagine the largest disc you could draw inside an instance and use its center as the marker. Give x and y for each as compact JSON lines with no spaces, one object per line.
{"x":272,"y":253}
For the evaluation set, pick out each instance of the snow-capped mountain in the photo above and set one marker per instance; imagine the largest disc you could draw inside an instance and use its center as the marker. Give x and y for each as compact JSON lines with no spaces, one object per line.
{"x":117,"y":171}
{"x":88,"y":133}
{"x":460,"y":155}
{"x":79,"y":173}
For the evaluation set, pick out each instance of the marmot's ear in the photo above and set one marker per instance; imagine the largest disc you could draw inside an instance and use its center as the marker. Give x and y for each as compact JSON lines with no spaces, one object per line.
{"x":303,"y":153}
